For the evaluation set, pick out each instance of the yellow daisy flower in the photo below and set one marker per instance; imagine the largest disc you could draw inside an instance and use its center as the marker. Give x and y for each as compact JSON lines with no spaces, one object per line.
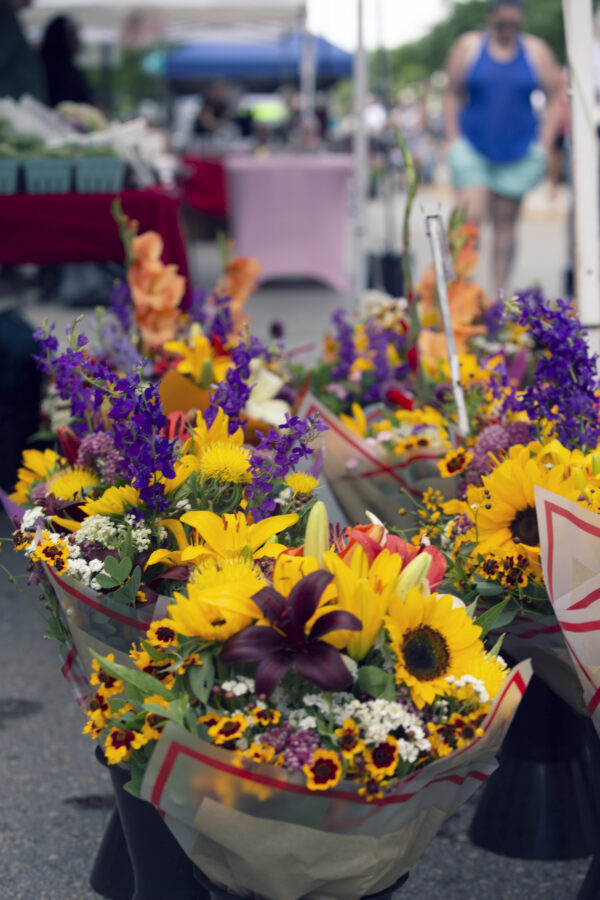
{"x":324,"y":770}
{"x":107,"y":685}
{"x":161,"y":634}
{"x":301,"y":483}
{"x":381,"y":761}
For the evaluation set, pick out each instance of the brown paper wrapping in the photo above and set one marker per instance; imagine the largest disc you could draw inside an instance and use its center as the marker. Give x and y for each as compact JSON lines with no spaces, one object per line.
{"x":259,"y":831}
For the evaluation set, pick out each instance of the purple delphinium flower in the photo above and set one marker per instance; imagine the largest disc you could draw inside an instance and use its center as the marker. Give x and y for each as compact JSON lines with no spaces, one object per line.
{"x":277,"y":454}
{"x":345,"y":339}
{"x":231,"y":394}
{"x":121,"y":305}
{"x":197,"y":309}
{"x":565,"y":378}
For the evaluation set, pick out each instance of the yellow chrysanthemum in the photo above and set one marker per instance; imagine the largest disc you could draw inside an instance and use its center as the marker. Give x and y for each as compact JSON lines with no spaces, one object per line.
{"x":431,"y":640}
{"x":226,"y":463}
{"x":218,"y":604}
{"x":71,"y":482}
{"x":113,"y":501}
{"x":37,"y":466}
{"x":301,"y":482}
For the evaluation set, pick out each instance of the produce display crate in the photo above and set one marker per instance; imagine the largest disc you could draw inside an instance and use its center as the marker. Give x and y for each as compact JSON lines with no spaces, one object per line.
{"x":9,"y":176}
{"x":48,"y":175}
{"x":99,"y":174}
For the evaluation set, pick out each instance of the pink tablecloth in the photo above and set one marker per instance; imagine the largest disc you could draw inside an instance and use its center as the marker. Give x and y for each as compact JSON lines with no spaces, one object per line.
{"x":291,"y":212}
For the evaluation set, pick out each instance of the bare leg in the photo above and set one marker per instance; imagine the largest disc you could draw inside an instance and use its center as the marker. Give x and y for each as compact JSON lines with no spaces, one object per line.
{"x":504,"y":212}
{"x":476,"y":200}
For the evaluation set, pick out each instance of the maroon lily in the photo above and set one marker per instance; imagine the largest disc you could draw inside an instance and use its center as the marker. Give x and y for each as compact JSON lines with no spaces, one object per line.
{"x":287,"y":644}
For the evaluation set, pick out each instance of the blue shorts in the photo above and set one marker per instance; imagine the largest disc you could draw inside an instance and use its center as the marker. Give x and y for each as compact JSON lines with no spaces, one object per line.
{"x":469,"y":168}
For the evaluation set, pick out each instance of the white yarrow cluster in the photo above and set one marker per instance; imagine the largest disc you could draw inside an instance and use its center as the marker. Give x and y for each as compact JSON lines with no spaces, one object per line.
{"x":238,"y":686}
{"x":82,"y":569}
{"x":31,"y":518}
{"x":111,"y":535}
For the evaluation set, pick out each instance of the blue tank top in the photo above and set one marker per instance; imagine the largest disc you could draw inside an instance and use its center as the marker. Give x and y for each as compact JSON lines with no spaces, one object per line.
{"x":498,"y":118}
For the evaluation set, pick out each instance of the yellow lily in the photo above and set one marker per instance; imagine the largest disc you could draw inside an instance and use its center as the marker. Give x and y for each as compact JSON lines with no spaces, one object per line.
{"x":364,"y":591}
{"x":358,"y":424}
{"x":231,"y":535}
{"x":189,"y":550}
{"x":195,"y":357}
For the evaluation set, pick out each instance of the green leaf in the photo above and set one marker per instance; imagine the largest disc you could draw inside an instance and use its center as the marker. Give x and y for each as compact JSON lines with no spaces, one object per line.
{"x":490,"y":617}
{"x":497,"y":646}
{"x":117,"y":570}
{"x":106,"y":582}
{"x":134,"y":786}
{"x":472,"y":607}
{"x":143,"y":681}
{"x":202,"y":678}
{"x":375,"y":681}
{"x":489,"y":589}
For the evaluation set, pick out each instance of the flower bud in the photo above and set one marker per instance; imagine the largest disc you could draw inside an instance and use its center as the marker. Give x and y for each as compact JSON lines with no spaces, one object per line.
{"x":414,"y":574}
{"x":316,"y":539}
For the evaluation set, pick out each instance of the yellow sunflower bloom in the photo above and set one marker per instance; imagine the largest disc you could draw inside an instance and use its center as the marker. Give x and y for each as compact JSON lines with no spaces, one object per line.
{"x":38,"y":465}
{"x":431,"y":640}
{"x":113,"y":501}
{"x":71,"y":482}
{"x":231,"y":535}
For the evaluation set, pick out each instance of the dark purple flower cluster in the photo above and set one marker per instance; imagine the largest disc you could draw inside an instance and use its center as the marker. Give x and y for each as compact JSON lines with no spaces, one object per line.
{"x":122,"y":306}
{"x":197,"y":309}
{"x":345,"y":339}
{"x":222,"y":323}
{"x":232,"y":394}
{"x":277,"y":454}
{"x":565,"y":378}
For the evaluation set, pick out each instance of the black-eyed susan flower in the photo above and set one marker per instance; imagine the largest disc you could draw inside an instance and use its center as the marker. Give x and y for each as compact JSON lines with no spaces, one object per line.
{"x":51,"y":550}
{"x":143,"y":661}
{"x":107,"y":685}
{"x":98,"y":712}
{"x":454,"y":462}
{"x":120,"y":742}
{"x":209,"y":719}
{"x":324,"y":770}
{"x":259,"y":752}
{"x":228,"y":728}
{"x":381,"y":761}
{"x":265,"y":716}
{"x":349,"y":739}
{"x":371,"y":789}
{"x":192,"y":660}
{"x":431,"y":640}
{"x":161,"y":634}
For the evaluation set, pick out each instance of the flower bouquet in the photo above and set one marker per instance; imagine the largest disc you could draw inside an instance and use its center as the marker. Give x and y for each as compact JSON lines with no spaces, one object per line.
{"x":103,"y":522}
{"x":306,"y":726}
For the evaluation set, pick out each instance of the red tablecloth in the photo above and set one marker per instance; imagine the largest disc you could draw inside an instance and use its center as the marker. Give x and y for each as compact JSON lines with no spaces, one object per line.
{"x":204,"y":188}
{"x":60,"y":228}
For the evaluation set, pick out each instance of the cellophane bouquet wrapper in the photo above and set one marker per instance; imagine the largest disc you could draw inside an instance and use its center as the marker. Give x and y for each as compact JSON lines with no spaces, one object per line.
{"x":259,"y":832}
{"x":94,"y":623}
{"x":365,"y":477}
{"x":570,"y":544}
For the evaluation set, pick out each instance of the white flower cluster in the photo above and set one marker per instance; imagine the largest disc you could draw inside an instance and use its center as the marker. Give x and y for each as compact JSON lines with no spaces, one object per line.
{"x":238,"y":686}
{"x":376,"y":720}
{"x":31,"y":518}
{"x":82,"y":569}
{"x":111,"y":535}
{"x":298,"y":718}
{"x":478,"y":686}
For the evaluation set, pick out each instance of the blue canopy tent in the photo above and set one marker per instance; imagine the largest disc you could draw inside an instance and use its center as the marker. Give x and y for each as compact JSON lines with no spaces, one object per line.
{"x":260,"y":64}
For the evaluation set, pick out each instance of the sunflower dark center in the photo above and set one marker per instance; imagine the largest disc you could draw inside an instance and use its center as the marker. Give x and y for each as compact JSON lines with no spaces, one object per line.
{"x":425,"y":653}
{"x":524,"y":527}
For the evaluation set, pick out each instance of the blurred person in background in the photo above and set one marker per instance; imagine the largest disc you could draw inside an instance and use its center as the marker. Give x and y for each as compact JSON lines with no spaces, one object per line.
{"x":215,"y":113}
{"x":496,"y":150}
{"x":20,"y":71}
{"x":60,"y":46}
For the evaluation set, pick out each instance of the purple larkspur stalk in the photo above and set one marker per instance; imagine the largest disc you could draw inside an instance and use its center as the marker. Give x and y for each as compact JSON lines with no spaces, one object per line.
{"x":345,"y":339}
{"x":121,"y":305}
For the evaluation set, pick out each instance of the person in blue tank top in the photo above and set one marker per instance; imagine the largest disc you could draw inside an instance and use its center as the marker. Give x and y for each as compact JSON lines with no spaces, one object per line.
{"x":497,"y":148}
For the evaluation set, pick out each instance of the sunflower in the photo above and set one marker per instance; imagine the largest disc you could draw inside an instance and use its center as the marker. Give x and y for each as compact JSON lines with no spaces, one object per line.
{"x":504,"y":508}
{"x":113,"y":501}
{"x":324,"y":770}
{"x":226,"y":463}
{"x":218,"y":602}
{"x":301,"y":483}
{"x":454,"y":462}
{"x":431,"y":641}
{"x":71,"y":482}
{"x":37,"y":466}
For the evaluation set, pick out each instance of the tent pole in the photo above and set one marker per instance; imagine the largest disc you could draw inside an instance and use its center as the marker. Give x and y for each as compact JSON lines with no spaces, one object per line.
{"x":360,"y":148}
{"x":579,"y":32}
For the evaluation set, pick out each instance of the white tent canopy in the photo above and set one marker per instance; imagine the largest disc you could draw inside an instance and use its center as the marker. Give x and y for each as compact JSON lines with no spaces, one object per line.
{"x":177,"y":19}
